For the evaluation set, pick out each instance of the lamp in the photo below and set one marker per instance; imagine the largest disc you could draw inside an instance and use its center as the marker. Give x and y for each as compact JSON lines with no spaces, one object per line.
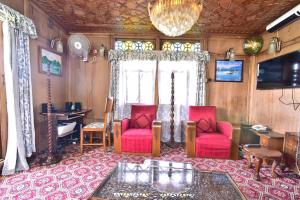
{"x":57,"y":44}
{"x":274,"y":46}
{"x":230,"y":55}
{"x":102,"y":51}
{"x":174,"y":17}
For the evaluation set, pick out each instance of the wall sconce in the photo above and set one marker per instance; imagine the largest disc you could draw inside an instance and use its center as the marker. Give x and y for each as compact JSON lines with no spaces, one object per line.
{"x":274,"y":46}
{"x":102,"y":51}
{"x":57,"y":44}
{"x":230,"y":55}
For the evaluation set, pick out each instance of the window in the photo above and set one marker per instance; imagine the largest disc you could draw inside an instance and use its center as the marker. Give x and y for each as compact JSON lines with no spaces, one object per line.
{"x":185,"y":82}
{"x":134,"y":45}
{"x":188,"y":46}
{"x":137,"y":81}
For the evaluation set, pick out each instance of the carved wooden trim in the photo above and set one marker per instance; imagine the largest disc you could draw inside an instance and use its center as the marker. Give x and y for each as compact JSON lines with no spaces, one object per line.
{"x":117,"y":136}
{"x":156,"y":132}
{"x":190,"y":138}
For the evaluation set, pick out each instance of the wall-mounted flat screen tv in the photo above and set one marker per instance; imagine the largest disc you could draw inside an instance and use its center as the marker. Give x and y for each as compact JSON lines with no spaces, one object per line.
{"x":279,"y":72}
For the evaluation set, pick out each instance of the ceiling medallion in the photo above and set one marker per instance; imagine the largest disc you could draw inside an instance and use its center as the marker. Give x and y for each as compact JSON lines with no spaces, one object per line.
{"x":174,"y":17}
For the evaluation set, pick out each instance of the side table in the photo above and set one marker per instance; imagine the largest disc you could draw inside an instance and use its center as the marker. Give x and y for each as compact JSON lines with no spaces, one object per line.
{"x":260,"y":154}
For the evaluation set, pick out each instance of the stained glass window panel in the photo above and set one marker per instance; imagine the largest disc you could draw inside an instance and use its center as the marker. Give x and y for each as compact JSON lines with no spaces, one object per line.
{"x":181,"y":46}
{"x":134,"y":45}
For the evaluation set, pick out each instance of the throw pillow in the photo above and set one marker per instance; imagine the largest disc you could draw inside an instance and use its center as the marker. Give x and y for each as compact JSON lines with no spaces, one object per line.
{"x":205,"y":126}
{"x":142,"y":121}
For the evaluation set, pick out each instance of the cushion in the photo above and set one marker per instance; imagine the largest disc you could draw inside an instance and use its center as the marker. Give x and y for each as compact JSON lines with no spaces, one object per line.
{"x":141,"y":120}
{"x":204,"y":126}
{"x":146,"y":109}
{"x":137,"y":141}
{"x":95,"y":125}
{"x":205,"y":117}
{"x":213,"y":145}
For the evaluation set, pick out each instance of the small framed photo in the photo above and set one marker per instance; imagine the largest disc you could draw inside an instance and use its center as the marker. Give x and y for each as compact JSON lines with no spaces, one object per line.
{"x":50,"y":58}
{"x":229,"y":71}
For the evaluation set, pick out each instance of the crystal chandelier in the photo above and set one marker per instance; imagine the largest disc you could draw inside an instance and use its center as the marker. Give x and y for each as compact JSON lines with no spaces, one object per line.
{"x":174,"y":17}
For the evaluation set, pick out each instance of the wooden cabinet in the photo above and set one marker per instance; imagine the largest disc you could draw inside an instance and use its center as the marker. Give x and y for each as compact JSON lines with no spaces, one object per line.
{"x":290,"y":150}
{"x":272,"y":140}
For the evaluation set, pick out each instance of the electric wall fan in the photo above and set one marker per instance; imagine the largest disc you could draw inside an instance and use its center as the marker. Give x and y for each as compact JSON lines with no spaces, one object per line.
{"x":80,"y":46}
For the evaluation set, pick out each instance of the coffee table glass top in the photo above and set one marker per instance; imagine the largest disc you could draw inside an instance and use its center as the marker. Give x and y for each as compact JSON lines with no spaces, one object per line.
{"x":165,"y":180}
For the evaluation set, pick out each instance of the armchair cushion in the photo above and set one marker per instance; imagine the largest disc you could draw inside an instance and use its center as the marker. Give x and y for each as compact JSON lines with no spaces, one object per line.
{"x":205,"y":117}
{"x":225,"y":128}
{"x":141,"y":120}
{"x":213,"y":145}
{"x":146,"y":109}
{"x":137,"y":141}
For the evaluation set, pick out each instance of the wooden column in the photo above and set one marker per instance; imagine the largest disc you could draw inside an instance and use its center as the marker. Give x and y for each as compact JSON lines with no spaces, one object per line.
{"x":172,"y":143}
{"x":51,"y":158}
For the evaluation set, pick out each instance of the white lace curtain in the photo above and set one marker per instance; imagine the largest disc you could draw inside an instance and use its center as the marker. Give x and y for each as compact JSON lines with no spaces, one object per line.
{"x":185,"y":90}
{"x":133,"y":77}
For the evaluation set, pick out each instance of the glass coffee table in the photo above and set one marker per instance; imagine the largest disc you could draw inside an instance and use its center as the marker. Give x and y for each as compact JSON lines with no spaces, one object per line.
{"x":155,"y":179}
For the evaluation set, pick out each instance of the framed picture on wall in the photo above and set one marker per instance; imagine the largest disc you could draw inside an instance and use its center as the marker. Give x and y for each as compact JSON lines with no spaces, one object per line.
{"x":48,"y":57}
{"x":229,"y":71}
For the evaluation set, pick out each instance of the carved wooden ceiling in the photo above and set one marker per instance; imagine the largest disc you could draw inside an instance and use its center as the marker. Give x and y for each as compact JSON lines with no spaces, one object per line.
{"x":131,"y":16}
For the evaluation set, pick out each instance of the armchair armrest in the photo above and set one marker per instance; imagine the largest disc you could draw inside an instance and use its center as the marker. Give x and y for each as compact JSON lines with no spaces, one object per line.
{"x":225,"y":128}
{"x":120,"y":126}
{"x":117,"y":135}
{"x":190,"y":138}
{"x":125,"y":125}
{"x":156,"y":132}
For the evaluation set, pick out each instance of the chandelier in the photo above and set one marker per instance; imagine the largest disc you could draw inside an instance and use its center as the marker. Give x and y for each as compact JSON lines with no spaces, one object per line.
{"x":174,"y":17}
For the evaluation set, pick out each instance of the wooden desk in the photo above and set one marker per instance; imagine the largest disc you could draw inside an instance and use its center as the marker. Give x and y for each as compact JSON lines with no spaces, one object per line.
{"x":60,"y":117}
{"x":290,"y":150}
{"x":271,"y":140}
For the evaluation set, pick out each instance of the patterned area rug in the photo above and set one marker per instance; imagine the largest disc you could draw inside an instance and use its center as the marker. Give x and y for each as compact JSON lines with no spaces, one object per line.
{"x":77,"y":176}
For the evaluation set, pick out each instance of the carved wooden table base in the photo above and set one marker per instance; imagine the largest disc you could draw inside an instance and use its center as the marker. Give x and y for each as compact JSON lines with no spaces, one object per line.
{"x":260,"y":154}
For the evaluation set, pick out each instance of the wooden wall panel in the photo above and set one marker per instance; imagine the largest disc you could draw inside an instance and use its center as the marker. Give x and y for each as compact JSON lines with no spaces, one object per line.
{"x":265,"y":106}
{"x":88,"y":82}
{"x":230,"y":98}
{"x":39,"y":80}
{"x":17,"y":5}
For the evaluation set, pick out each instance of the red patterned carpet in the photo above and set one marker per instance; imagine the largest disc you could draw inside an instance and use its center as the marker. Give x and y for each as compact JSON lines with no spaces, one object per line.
{"x":77,"y":176}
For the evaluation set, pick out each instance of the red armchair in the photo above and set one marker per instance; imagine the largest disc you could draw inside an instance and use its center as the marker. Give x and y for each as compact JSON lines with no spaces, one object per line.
{"x":140,"y":134}
{"x":205,"y":137}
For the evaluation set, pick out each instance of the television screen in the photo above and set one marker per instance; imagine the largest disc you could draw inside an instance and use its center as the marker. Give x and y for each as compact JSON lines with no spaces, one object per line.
{"x":280,"y":72}
{"x":229,"y":71}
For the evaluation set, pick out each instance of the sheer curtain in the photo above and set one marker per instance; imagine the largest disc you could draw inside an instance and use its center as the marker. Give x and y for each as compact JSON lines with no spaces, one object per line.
{"x":136,"y":85}
{"x":185,"y":87}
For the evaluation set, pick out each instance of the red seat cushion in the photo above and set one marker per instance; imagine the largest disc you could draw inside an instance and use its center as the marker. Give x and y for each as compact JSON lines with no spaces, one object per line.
{"x":137,"y":141}
{"x":141,"y":120}
{"x":213,"y":145}
{"x":205,"y":117}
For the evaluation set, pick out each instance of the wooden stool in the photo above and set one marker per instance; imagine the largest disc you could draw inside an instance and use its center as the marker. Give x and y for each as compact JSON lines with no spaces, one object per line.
{"x":98,"y":128}
{"x":260,"y":154}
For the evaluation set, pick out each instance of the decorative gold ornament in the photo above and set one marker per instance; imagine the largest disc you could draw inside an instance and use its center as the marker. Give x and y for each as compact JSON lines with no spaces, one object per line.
{"x":174,"y":17}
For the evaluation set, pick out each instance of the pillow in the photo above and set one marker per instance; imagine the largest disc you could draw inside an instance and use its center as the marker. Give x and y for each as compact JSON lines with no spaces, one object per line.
{"x":205,"y":126}
{"x":142,"y":121}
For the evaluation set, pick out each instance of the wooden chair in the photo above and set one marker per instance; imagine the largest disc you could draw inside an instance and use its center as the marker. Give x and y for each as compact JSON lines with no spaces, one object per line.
{"x":99,"y":128}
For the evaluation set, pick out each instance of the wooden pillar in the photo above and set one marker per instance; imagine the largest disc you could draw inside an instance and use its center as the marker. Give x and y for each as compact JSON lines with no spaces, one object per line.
{"x":27,"y":8}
